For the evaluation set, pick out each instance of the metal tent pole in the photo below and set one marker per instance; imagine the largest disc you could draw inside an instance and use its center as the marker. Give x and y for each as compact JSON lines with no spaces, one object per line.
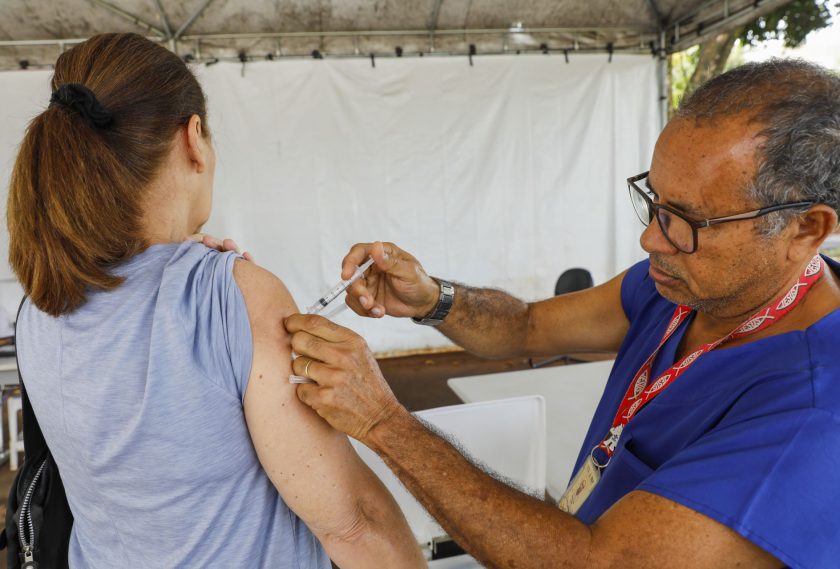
{"x":662,"y":79}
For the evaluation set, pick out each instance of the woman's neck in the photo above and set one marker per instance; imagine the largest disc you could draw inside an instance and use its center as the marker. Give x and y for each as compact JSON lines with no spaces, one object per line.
{"x":167,"y":214}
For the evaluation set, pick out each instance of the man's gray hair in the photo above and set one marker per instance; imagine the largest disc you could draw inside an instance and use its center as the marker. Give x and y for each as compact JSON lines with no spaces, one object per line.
{"x":798,"y":105}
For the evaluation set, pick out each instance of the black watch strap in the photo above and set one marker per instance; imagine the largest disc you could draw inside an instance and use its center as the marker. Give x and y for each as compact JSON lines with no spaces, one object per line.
{"x":445,"y":300}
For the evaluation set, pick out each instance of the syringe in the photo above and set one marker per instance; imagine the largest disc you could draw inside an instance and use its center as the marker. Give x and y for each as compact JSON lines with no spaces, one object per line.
{"x":333,"y":293}
{"x":325,"y":300}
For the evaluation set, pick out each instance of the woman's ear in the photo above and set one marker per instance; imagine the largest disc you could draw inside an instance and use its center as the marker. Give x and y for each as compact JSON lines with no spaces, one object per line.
{"x":196,"y":144}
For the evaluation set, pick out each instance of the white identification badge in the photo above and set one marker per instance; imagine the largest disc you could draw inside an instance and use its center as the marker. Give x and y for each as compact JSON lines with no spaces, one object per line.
{"x":580,"y":487}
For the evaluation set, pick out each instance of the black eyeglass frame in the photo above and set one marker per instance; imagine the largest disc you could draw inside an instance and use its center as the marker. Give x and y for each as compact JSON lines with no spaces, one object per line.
{"x":696,"y":224}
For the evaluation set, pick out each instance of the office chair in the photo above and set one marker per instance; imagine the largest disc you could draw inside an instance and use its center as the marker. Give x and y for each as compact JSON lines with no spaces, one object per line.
{"x":571,"y":280}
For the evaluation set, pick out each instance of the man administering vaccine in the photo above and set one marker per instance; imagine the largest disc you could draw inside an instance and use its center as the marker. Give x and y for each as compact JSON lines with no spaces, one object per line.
{"x":717,"y":438}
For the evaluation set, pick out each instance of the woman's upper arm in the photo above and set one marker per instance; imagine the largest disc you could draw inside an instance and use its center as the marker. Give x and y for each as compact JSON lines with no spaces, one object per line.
{"x":313,"y":467}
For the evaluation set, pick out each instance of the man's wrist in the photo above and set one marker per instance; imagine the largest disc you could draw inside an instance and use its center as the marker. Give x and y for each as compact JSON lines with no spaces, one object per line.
{"x":433,"y":288}
{"x":444,"y":298}
{"x":395,"y":422}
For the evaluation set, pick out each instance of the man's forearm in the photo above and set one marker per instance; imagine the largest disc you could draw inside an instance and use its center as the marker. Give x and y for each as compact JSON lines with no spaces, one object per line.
{"x":499,"y":526}
{"x":487,"y":322}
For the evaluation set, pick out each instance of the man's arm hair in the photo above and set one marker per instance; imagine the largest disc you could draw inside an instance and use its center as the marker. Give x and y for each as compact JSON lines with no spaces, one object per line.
{"x":494,"y":324}
{"x":505,"y":528}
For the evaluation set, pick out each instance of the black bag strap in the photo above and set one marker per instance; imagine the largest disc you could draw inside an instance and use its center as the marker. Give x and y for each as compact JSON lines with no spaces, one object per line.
{"x":52,"y":517}
{"x":33,"y":438}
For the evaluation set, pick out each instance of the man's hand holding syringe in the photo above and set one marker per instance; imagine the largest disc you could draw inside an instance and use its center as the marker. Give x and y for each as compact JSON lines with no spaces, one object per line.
{"x":325,"y":301}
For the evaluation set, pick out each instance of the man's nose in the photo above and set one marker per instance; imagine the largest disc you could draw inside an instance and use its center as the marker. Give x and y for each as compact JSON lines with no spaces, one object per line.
{"x":653,"y":240}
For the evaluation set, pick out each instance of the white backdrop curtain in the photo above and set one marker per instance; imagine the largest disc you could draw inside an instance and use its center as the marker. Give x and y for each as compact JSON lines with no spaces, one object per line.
{"x":500,"y":174}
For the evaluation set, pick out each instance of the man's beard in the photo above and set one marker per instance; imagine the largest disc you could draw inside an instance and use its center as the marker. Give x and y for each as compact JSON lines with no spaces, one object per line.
{"x":706,"y":305}
{"x":715,"y":305}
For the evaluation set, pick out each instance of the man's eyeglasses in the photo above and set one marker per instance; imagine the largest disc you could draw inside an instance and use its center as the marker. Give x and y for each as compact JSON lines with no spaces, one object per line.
{"x":679,"y":229}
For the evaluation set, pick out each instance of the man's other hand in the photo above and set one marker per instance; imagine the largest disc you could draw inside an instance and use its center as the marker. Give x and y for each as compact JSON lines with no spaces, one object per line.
{"x":350,"y":393}
{"x":396,"y":284}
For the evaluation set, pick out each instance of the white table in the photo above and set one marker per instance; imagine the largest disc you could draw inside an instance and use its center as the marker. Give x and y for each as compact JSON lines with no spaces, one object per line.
{"x":571,"y":392}
{"x":457,"y":562}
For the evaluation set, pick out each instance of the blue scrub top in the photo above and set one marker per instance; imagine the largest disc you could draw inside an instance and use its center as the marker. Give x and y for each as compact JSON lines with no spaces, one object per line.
{"x":748,"y":435}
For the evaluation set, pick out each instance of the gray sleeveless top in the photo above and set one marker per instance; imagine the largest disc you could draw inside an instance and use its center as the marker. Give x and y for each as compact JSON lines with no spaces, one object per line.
{"x":139,"y":394}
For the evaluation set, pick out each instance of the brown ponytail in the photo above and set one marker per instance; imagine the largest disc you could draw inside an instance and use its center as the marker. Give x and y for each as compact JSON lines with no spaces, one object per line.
{"x":77,"y":187}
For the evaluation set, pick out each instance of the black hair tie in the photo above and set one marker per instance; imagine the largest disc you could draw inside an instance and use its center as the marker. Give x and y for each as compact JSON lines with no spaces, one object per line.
{"x":82,"y":100}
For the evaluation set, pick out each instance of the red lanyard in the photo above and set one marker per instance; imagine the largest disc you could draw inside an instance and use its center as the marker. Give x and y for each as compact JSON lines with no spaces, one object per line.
{"x":639,"y":393}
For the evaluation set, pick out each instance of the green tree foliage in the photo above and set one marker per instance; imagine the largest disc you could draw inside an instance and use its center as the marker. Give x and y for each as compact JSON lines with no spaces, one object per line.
{"x":791,"y":23}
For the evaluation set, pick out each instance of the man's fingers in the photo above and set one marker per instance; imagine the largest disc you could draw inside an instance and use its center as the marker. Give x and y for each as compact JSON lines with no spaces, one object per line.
{"x":365,"y":290}
{"x":382,"y":260}
{"x":355,"y":258}
{"x":308,"y":367}
{"x":385,"y":255}
{"x":305,"y":344}
{"x":319,"y":327}
{"x":355,"y":305}
{"x":315,"y":396}
{"x":358,"y":290}
{"x":307,"y":393}
{"x":390,"y":259}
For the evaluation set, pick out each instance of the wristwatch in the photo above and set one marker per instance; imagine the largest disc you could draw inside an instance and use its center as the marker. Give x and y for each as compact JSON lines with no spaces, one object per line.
{"x":436,"y":316}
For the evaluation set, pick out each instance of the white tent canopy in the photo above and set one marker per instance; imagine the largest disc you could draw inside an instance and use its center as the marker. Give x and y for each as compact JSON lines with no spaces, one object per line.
{"x":33,"y":32}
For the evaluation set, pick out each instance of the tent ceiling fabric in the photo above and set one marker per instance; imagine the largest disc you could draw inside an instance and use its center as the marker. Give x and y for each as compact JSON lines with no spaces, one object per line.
{"x":35,"y":31}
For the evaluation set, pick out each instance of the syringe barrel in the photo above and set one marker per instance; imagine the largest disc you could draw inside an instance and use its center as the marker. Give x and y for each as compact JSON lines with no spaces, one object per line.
{"x":338,"y":289}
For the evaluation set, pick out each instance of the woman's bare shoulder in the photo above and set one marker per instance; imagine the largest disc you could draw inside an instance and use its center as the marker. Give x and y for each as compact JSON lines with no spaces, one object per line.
{"x":266,"y":297}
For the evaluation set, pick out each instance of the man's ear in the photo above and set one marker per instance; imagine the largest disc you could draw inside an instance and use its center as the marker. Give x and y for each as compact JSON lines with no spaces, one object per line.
{"x":196,"y":144}
{"x":810,"y":230}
